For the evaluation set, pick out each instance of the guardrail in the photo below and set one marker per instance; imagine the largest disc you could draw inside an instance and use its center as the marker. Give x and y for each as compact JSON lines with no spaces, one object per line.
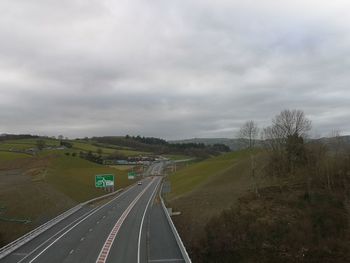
{"x":173,"y":228}
{"x":102,"y":197}
{"x":9,"y":248}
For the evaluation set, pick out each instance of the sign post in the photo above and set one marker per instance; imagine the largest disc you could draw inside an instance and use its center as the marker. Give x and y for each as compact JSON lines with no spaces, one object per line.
{"x":105,"y":181}
{"x":131,"y":175}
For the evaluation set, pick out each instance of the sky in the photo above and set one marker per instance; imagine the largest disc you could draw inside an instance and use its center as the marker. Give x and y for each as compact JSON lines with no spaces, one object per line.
{"x":171,"y":69}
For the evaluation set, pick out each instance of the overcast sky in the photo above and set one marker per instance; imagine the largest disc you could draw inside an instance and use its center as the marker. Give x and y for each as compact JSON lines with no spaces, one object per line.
{"x":171,"y":69}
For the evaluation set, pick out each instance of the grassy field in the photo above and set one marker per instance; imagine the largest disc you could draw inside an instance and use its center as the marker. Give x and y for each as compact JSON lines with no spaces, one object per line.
{"x":74,"y":177}
{"x":40,"y":187}
{"x":176,"y":157}
{"x":6,"y":156}
{"x":202,"y":190}
{"x":85,"y":146}
{"x":197,"y":174}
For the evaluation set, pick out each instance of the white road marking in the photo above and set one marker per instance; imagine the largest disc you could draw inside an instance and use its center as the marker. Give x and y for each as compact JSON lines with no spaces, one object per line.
{"x":167,"y":260}
{"x":102,"y":257}
{"x":143,"y":218}
{"x":60,"y":231}
{"x":84,"y":217}
{"x":71,"y":252}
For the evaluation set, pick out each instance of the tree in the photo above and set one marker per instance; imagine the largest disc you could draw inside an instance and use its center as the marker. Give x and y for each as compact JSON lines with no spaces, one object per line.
{"x":40,"y":144}
{"x":99,"y":151}
{"x":291,"y":123}
{"x":248,"y":133}
{"x":285,"y":140}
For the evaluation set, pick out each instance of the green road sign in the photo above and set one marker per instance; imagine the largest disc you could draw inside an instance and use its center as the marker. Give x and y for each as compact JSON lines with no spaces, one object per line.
{"x":131,"y":175}
{"x":104,"y":180}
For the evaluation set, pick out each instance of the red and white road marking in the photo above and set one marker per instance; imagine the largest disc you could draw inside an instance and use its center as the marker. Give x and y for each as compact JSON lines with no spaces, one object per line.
{"x":102,"y":257}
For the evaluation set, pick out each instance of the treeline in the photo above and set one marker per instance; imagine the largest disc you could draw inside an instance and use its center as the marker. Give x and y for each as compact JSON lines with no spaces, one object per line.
{"x":160,"y":146}
{"x":147,"y":140}
{"x":4,"y":137}
{"x":304,"y":217}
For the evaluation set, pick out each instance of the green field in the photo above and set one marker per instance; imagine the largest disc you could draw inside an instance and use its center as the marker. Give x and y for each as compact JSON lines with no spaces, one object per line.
{"x":85,"y":146}
{"x":40,"y":187}
{"x":202,"y":190}
{"x":199,"y":173}
{"x":176,"y":157}
{"x":74,"y":177}
{"x":7,"y":156}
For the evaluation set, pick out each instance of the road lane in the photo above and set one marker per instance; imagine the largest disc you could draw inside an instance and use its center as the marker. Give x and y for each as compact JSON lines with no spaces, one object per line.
{"x":162,"y":243}
{"x":143,"y":235}
{"x":125,"y":246}
{"x":79,"y":244}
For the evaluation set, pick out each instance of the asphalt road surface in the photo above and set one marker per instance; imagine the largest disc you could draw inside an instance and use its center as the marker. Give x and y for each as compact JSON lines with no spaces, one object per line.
{"x":155,"y":169}
{"x":125,"y":229}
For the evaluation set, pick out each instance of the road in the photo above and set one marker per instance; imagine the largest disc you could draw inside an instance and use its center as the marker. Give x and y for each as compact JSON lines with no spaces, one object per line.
{"x":155,"y":169}
{"x":121,"y":230}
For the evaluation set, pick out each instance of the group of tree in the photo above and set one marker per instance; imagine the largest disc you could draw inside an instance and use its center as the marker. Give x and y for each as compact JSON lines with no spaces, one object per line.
{"x":161,"y":146}
{"x":5,"y":137}
{"x":90,"y":156}
{"x":303,"y":217}
{"x":66,"y":144}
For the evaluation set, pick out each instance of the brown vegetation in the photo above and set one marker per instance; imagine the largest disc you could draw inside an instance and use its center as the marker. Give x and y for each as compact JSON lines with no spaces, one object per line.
{"x":303,"y":218}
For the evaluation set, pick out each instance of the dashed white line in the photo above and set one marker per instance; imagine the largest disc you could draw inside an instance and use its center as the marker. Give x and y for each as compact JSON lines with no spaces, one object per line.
{"x":143,"y":218}
{"x":83,"y":219}
{"x":102,"y":257}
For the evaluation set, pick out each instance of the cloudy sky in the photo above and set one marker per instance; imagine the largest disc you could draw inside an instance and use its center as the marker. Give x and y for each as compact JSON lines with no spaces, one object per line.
{"x":171,"y":69}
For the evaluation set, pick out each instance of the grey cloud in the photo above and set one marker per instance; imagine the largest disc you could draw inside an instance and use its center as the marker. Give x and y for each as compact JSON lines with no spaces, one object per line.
{"x":174,"y":69}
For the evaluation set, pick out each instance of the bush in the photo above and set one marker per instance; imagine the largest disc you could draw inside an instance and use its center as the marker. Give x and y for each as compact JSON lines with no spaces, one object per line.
{"x":278,"y":227}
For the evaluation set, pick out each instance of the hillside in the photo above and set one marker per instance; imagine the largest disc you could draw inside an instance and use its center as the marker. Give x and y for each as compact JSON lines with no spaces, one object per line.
{"x":202,"y":190}
{"x":57,"y":179}
{"x":299,"y":215}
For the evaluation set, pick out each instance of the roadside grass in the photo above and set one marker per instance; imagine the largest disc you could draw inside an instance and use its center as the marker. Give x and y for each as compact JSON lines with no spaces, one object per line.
{"x":122,"y":167}
{"x":24,"y":194}
{"x":7,"y":156}
{"x":43,"y":186}
{"x":176,"y":157}
{"x":204,"y":189}
{"x":199,"y":173}
{"x":75,"y":177}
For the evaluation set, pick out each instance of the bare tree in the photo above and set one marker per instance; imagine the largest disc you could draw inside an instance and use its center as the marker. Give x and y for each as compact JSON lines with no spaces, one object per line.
{"x":284,"y":139}
{"x":248,"y":133}
{"x":291,"y":123}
